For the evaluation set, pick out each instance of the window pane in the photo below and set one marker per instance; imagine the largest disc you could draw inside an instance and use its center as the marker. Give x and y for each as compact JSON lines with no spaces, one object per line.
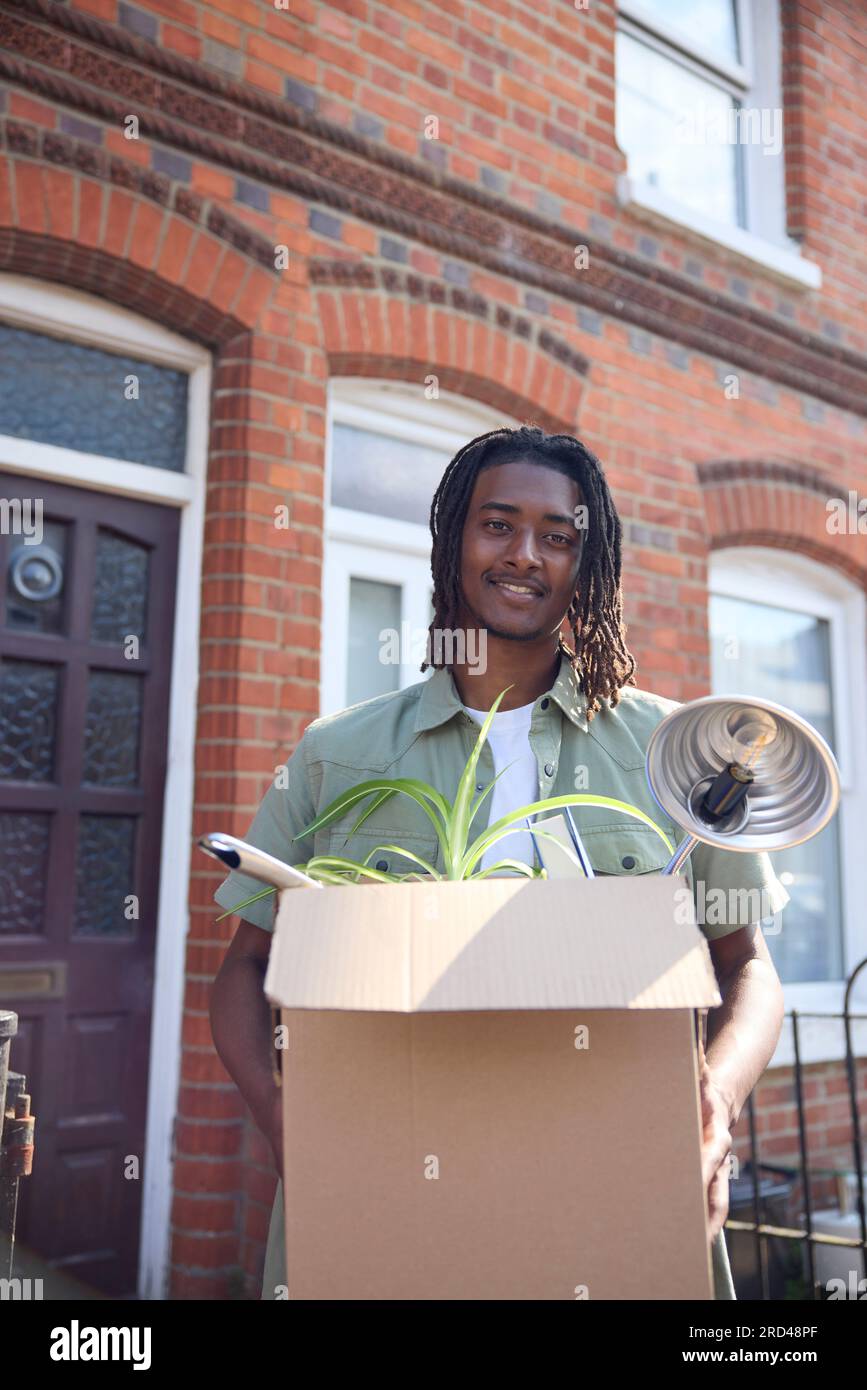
{"x":389,"y":477}
{"x":80,"y":397}
{"x":104,"y":874}
{"x":120,"y":587}
{"x":675,"y":130}
{"x":28,"y":720}
{"x":111,"y":729}
{"x":373,"y":608}
{"x":784,"y":655}
{"x":710,"y":23}
{"x":23,"y":871}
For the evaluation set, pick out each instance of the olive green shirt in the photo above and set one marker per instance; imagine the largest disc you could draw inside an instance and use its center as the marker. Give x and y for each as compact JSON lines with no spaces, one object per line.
{"x":424,"y":732}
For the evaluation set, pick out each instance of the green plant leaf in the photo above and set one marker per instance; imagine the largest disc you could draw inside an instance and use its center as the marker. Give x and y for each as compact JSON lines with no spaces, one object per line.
{"x":488,"y":789}
{"x":331,"y":862}
{"x":407,"y":854}
{"x":503,"y":826}
{"x":526,"y":870}
{"x":420,"y":792}
{"x":460,"y":821}
{"x":246,"y":903}
{"x":374,"y":805}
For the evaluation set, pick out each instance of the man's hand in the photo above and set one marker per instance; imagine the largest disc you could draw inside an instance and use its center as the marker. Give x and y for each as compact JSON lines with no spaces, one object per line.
{"x":272,"y":1128}
{"x":716,"y":1146}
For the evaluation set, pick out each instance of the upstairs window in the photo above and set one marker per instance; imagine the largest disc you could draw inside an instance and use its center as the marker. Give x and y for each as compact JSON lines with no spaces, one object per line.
{"x":699,"y":111}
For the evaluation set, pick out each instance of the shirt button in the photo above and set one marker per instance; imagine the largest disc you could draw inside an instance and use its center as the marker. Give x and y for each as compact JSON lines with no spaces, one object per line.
{"x":549,"y":770}
{"x":480,"y":786}
{"x":545,"y":703}
{"x":382,"y":864}
{"x":628,"y":862}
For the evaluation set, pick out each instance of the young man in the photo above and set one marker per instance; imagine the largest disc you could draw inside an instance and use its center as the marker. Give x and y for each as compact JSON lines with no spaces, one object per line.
{"x":525,"y":538}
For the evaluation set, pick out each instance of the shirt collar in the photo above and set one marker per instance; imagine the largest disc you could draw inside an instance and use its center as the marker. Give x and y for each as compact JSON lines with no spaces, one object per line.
{"x":440,"y":700}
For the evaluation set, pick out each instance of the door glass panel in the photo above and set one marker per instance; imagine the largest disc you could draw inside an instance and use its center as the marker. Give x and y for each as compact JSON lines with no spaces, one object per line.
{"x":104,"y":874}
{"x":28,"y":718}
{"x":389,"y":477}
{"x":112,"y":728}
{"x":374,"y":660}
{"x":80,"y":397}
{"x":120,"y":589}
{"x":23,"y":870}
{"x":784,"y":655}
{"x":36,"y":577}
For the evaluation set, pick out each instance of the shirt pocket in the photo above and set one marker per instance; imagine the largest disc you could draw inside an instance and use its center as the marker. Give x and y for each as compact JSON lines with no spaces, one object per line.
{"x":629,"y":850}
{"x":359,"y":846}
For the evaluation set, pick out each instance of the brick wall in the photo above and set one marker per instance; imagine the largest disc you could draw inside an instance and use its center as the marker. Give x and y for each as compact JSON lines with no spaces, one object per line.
{"x":827,"y":1124}
{"x":304,"y":128}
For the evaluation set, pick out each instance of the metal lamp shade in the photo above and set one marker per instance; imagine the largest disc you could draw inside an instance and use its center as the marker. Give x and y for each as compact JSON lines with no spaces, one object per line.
{"x":797,"y":782}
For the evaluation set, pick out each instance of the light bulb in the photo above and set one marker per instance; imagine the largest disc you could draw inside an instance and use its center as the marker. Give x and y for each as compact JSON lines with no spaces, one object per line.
{"x":755,"y":731}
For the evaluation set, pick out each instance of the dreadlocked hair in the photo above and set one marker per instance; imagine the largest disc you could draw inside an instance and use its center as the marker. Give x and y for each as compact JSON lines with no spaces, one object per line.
{"x":599,"y":656}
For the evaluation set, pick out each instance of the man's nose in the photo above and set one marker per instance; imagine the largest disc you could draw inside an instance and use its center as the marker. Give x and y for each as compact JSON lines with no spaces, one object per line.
{"x":523,"y":549}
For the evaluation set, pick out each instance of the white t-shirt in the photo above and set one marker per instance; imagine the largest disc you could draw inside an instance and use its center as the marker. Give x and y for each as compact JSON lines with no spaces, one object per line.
{"x":509,"y":737}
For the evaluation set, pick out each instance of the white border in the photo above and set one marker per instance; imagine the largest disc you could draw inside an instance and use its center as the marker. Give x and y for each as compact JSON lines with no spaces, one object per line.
{"x":784,"y":578}
{"x":43,"y":307}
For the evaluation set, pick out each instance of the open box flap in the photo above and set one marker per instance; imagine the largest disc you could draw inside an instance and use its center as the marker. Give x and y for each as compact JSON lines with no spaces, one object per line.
{"x":609,"y":943}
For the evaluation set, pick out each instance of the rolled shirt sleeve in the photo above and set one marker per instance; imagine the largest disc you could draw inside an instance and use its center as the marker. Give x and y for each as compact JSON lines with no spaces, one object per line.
{"x":733,"y":890}
{"x":286,"y":808}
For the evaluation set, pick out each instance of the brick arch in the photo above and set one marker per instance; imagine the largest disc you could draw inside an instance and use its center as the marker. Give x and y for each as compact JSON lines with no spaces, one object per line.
{"x":114,"y":235}
{"x":380,"y":335}
{"x":778,"y":503}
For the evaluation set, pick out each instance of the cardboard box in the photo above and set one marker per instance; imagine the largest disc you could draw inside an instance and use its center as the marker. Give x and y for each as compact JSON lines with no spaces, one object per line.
{"x":491,"y":1090}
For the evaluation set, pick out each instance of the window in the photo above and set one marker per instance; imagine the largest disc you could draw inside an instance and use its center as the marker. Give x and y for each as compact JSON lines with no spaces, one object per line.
{"x":700,"y":120}
{"x":675,"y":108}
{"x":66,"y":393}
{"x":388,"y":447}
{"x":801,"y":643}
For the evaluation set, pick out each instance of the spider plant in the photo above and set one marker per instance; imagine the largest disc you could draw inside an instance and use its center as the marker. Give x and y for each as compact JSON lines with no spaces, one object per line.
{"x":451,"y":822}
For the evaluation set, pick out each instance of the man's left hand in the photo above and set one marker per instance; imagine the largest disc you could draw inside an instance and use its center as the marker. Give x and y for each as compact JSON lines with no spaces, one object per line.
{"x":716,"y":1147}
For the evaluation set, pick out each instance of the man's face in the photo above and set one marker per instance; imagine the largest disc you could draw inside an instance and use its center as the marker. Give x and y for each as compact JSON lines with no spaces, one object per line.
{"x":520,"y":528}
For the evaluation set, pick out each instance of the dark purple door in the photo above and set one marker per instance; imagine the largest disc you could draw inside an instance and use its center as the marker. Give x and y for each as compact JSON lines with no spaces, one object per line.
{"x":86,"y":629}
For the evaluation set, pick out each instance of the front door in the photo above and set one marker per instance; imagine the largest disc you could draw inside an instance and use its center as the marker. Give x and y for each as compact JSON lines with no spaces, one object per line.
{"x":86,"y":623}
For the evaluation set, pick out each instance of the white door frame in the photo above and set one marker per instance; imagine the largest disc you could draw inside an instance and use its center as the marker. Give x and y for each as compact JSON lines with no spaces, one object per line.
{"x":43,"y":307}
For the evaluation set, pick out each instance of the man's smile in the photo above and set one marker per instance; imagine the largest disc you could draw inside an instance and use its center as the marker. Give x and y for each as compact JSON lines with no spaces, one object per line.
{"x":515,"y":591}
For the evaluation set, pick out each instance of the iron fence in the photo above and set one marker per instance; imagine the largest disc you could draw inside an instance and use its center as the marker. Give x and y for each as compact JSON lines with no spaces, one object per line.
{"x":804,"y":1237}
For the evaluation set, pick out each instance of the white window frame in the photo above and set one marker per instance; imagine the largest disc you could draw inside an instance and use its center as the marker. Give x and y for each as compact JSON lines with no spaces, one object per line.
{"x":797,"y":582}
{"x":379,"y":547}
{"x":756,"y":82}
{"x":42,"y":307}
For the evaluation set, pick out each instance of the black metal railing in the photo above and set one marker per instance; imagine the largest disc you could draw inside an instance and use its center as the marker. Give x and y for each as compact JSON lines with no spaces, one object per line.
{"x":803,"y":1235}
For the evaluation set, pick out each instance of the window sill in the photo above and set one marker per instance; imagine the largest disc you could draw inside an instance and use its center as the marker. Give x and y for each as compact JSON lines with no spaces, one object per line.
{"x":648,"y":202}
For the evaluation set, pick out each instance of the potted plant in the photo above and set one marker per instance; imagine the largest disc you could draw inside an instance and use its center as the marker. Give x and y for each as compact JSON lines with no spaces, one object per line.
{"x":451,"y":821}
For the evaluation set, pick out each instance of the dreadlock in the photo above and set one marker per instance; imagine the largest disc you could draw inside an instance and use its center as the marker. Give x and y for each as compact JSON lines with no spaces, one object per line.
{"x":599,"y":656}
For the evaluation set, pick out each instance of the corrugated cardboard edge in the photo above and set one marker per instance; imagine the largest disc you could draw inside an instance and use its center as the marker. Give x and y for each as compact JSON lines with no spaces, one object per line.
{"x":613,"y":942}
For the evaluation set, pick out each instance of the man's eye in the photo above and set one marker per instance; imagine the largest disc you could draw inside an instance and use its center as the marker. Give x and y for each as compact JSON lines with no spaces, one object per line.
{"x":494,"y":521}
